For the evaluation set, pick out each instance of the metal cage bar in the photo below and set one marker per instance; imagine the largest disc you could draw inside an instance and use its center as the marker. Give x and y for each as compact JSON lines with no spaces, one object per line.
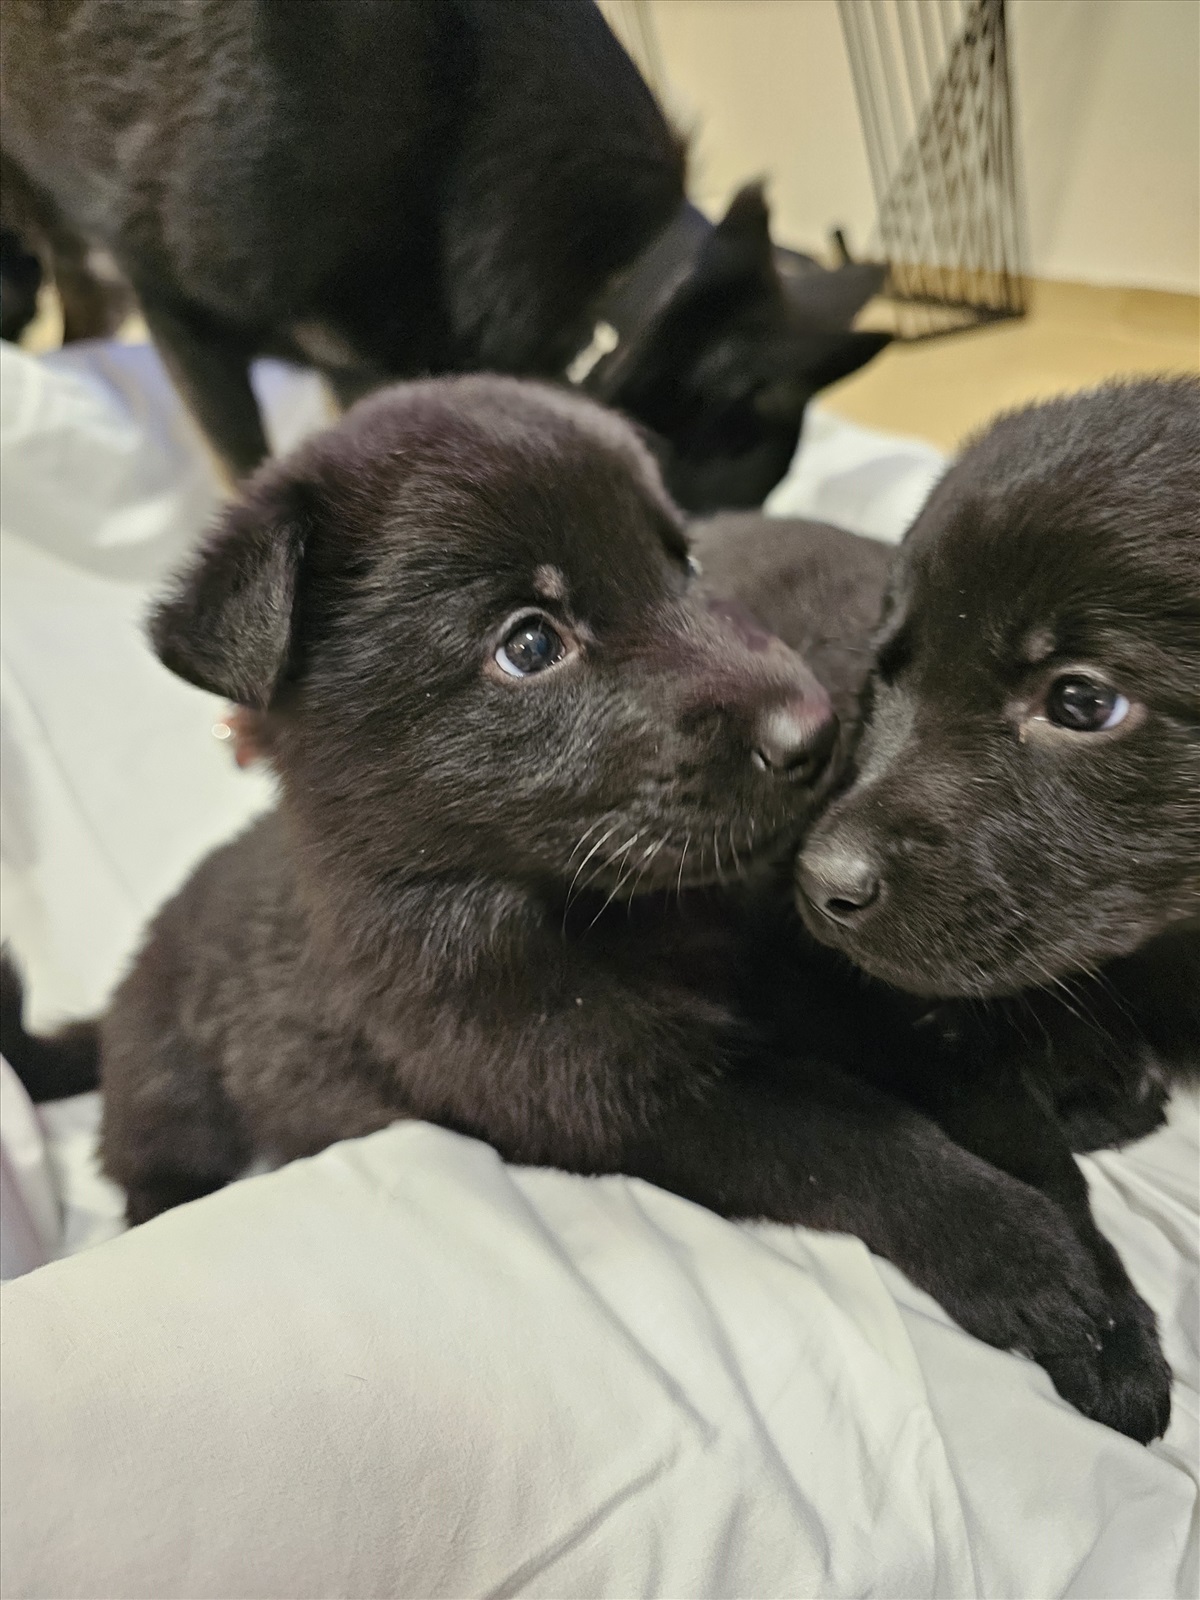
{"x":934,"y":96}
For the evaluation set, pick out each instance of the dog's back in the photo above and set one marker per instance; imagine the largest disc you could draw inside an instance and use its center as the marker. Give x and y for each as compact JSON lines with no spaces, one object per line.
{"x":279,"y":164}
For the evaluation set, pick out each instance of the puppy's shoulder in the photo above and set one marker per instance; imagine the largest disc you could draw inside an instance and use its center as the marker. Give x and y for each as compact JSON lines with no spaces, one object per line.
{"x":818,"y":588}
{"x":234,"y":910}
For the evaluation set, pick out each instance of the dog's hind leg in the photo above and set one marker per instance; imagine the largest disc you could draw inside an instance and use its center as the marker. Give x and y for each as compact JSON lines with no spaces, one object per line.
{"x":170,"y":1133}
{"x":210,"y":366}
{"x":93,"y":307}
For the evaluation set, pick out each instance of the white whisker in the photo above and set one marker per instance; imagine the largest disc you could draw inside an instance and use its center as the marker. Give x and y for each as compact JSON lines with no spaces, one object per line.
{"x":599,"y":845}
{"x":737,"y":865}
{"x":621,"y":876}
{"x":648,"y":855}
{"x":682,"y":859}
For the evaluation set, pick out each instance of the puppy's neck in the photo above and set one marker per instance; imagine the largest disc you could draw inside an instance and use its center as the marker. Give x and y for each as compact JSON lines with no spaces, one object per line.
{"x":439,"y":928}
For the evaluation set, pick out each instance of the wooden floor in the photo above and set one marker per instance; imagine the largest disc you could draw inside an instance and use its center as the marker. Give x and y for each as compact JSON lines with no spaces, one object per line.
{"x":1073,"y":336}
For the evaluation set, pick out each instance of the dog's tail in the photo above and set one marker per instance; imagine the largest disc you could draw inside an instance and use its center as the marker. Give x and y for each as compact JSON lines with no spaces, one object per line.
{"x":66,"y":1063}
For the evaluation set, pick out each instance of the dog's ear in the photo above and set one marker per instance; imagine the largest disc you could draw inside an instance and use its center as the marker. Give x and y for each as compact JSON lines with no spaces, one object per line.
{"x":823,"y":358}
{"x":739,"y":247}
{"x":228,"y":625}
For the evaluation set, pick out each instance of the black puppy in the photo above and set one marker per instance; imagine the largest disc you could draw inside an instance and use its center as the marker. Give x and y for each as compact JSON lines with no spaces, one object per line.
{"x":1024,"y":815}
{"x":20,"y":280}
{"x":511,"y":733}
{"x":389,"y":188}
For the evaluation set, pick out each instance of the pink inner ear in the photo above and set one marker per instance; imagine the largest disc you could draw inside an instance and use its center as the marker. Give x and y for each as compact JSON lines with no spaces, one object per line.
{"x":241,"y":728}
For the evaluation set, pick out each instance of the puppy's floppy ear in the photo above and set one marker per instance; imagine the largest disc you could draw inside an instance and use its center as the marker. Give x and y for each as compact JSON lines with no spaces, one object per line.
{"x":228,"y":625}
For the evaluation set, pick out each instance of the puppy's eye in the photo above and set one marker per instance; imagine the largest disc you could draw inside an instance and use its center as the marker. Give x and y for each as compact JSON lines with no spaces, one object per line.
{"x":1084,"y":705}
{"x":532,"y":646}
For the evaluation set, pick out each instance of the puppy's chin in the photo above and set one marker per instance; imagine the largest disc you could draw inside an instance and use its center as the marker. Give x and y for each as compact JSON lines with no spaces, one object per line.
{"x":939,"y":962}
{"x":711,"y":853}
{"x":936,"y":983}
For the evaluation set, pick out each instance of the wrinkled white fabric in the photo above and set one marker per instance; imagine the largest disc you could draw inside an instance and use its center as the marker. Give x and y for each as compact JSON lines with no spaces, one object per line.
{"x":111,"y":786}
{"x":402,"y":1368}
{"x":872,"y":483}
{"x":31,"y":1221}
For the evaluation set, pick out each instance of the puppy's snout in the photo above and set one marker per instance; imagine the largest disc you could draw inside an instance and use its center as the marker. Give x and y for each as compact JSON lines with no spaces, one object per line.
{"x":839,"y":879}
{"x":795,"y":737}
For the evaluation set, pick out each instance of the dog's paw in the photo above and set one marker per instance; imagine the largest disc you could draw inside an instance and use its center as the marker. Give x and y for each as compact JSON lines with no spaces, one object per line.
{"x":1135,"y":1377}
{"x":1034,"y":1287}
{"x":1109,"y":1085}
{"x":1135,"y":1380}
{"x":1094,"y":1117}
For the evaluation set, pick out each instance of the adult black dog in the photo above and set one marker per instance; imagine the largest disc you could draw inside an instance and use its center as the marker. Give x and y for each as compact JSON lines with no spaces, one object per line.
{"x":511,"y":734}
{"x":389,"y":188}
{"x":1024,"y":815}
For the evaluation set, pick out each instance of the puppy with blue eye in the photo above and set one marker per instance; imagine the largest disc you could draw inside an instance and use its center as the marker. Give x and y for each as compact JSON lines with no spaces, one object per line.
{"x":521,"y":755}
{"x":1022,"y":817}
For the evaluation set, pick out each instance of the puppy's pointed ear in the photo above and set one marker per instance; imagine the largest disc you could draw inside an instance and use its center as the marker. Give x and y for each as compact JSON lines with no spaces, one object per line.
{"x":826,"y":357}
{"x":228,"y":625}
{"x":740,"y":244}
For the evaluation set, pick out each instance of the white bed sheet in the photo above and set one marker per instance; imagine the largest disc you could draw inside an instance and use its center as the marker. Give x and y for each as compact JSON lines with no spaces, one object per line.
{"x":403,"y":1368}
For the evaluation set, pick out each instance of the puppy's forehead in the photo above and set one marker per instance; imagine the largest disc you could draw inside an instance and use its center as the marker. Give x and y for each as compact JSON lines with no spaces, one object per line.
{"x":1036,"y":571}
{"x":550,"y":583}
{"x":1038,"y":645}
{"x":552,"y":498}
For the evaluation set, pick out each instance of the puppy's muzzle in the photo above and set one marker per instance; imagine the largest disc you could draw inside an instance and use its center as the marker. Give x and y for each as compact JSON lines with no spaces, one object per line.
{"x":840,"y":880}
{"x":795,"y":738}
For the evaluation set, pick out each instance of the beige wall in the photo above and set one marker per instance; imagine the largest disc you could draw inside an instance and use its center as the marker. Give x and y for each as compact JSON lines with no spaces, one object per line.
{"x":1108,"y":94}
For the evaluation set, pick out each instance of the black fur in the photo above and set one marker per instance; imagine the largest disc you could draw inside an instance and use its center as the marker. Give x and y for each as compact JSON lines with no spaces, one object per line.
{"x":491,"y":902}
{"x":1012,"y":856}
{"x":50,"y":1068}
{"x":20,"y":280}
{"x":390,"y":188}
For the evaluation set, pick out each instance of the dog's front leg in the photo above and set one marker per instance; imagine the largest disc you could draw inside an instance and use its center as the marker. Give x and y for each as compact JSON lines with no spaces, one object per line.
{"x":1004,"y":1260}
{"x":994,"y":1110}
{"x":210,"y":366}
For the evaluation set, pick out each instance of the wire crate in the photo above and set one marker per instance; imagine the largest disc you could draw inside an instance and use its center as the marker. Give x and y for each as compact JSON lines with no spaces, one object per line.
{"x":935,"y":99}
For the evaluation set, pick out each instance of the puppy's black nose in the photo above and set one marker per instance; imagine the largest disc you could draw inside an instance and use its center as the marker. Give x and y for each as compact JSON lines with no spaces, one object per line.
{"x":839,"y":880}
{"x":795,"y":738}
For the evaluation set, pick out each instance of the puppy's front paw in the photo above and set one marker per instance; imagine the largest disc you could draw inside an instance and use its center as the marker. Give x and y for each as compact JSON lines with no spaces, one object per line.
{"x":1095,"y":1117}
{"x":1135,"y":1380}
{"x":1134,"y":1375}
{"x":1035,"y":1288}
{"x":1109,"y":1085}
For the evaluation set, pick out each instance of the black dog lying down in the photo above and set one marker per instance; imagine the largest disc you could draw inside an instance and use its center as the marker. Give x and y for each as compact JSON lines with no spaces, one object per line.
{"x":1025,"y":811}
{"x":386,"y":190}
{"x":515,"y":742}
